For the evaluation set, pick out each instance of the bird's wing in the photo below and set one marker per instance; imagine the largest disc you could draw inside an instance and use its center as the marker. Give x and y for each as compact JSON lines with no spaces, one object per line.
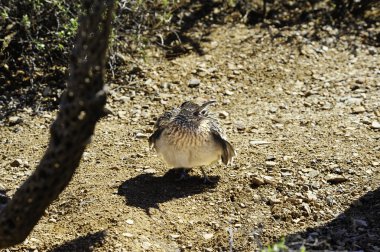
{"x":160,"y":125}
{"x":228,"y":149}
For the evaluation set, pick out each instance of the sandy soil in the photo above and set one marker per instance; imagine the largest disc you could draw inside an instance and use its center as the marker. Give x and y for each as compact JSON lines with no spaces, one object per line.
{"x":304,"y":118}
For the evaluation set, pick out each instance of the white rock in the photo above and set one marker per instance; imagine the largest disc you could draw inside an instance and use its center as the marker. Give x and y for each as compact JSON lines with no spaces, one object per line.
{"x":375,"y":125}
{"x":258,"y":142}
{"x":208,"y":236}
{"x":129,"y":235}
{"x":174,"y":236}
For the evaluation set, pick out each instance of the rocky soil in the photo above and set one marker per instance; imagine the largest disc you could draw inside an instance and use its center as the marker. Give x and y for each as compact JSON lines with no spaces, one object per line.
{"x":304,"y":116}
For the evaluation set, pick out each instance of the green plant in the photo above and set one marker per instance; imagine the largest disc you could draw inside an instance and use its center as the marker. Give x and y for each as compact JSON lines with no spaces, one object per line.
{"x":277,"y":247}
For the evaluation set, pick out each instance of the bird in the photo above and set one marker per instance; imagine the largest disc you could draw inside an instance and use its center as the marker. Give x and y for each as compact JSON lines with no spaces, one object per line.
{"x":189,"y":136}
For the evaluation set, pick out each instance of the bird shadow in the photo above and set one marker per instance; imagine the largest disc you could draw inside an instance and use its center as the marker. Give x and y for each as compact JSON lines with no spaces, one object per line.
{"x":147,"y":191}
{"x":83,"y":243}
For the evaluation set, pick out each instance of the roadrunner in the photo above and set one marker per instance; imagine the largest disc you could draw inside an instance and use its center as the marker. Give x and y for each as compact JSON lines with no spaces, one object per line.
{"x":188,"y":137}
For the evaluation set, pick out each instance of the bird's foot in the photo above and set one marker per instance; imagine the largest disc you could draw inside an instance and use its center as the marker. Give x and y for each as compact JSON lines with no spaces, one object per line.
{"x":206,"y":179}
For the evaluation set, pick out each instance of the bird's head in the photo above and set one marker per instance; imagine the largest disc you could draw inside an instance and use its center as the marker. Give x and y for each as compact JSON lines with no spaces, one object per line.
{"x":192,"y":113}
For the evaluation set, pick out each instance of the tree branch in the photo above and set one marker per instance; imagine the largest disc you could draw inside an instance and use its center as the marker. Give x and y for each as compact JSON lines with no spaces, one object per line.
{"x":81,"y":107}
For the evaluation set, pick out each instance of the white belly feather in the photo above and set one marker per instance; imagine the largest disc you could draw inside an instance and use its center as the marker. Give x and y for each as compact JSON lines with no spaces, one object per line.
{"x":188,"y":152}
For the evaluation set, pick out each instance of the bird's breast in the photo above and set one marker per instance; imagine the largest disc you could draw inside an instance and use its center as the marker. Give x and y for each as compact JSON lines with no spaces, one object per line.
{"x":188,"y":148}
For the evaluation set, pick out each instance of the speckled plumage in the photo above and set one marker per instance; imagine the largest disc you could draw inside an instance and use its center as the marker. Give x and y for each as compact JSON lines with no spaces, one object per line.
{"x":188,"y":136}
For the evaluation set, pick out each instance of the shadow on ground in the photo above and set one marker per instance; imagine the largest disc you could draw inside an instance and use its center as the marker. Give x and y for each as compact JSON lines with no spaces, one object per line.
{"x":357,"y":228}
{"x":83,"y":243}
{"x":147,"y":191}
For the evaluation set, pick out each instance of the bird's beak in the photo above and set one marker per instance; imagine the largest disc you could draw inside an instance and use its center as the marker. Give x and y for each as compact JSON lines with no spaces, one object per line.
{"x":205,"y":105}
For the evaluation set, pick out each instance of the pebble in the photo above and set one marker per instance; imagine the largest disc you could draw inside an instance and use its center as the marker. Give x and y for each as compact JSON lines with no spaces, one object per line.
{"x":13,"y":120}
{"x":208,"y":236}
{"x":2,"y":188}
{"x":223,"y":114}
{"x":335,"y":179}
{"x":269,"y":179}
{"x":194,"y":83}
{"x":150,"y":171}
{"x":140,"y":135}
{"x":16,"y":163}
{"x":273,"y":200}
{"x":129,"y":235}
{"x":358,"y":110}
{"x":330,"y":201}
{"x":375,"y":125}
{"x":311,"y":196}
{"x":307,"y":208}
{"x":258,"y":142}
{"x":146,"y":245}
{"x":130,"y":222}
{"x":270,"y":163}
{"x":121,"y":114}
{"x":240,"y":125}
{"x":273,"y":110}
{"x":174,"y":236}
{"x":228,"y":92}
{"x":313,"y":173}
{"x":256,"y":181}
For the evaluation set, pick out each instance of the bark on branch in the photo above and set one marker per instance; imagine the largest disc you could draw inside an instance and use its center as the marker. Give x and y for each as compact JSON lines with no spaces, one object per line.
{"x":81,"y":107}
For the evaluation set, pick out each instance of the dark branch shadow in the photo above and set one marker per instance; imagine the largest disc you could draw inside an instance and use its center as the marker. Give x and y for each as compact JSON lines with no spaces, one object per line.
{"x":147,"y":191}
{"x":358,"y":228}
{"x":84,"y":243}
{"x":188,"y":22}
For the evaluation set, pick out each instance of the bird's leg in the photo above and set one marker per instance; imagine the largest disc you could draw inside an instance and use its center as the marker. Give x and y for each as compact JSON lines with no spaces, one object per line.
{"x":184,"y":174}
{"x":206,"y":179}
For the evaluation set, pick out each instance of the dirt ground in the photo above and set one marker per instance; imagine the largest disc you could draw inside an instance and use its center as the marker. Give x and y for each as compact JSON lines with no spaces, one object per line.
{"x":303,"y":116}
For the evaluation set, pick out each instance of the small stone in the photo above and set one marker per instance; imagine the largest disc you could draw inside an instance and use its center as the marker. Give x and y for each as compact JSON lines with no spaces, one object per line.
{"x":313,"y":173}
{"x":256,"y":198}
{"x":330,"y":201}
{"x":121,"y":114}
{"x":311,"y":196}
{"x":228,"y":92}
{"x":307,"y":208}
{"x":223,"y":114}
{"x":335,"y":179}
{"x":256,"y":181}
{"x":129,"y":235}
{"x":140,"y":135}
{"x":130,"y":222}
{"x":375,"y":125}
{"x":2,"y":188}
{"x":240,"y":125}
{"x":174,"y":236}
{"x":358,"y":110}
{"x":150,"y":171}
{"x":208,"y":236}
{"x":194,"y":83}
{"x":146,"y":245}
{"x":16,"y":163}
{"x":273,"y":110}
{"x":269,"y":179}
{"x":13,"y":120}
{"x":258,"y":142}
{"x":274,"y":200}
{"x":270,"y":163}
